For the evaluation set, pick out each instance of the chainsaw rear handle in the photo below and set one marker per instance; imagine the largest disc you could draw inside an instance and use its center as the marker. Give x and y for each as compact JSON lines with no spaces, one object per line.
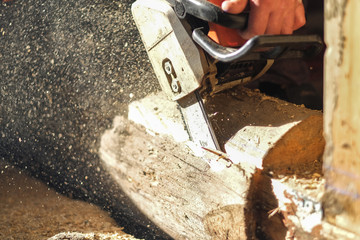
{"x":208,"y":12}
{"x":262,"y":47}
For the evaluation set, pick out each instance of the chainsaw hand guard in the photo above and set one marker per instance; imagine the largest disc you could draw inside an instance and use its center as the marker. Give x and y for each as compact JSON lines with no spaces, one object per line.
{"x":262,"y":47}
{"x":257,"y":48}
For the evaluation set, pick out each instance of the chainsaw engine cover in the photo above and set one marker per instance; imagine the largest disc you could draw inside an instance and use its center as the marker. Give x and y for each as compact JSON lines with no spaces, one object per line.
{"x":179,"y":64}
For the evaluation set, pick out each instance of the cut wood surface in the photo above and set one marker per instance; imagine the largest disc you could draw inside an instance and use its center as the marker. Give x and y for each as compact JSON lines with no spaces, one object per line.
{"x":191,"y":194}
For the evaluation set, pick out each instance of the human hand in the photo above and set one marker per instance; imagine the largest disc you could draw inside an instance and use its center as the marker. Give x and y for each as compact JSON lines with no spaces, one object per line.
{"x":268,"y":16}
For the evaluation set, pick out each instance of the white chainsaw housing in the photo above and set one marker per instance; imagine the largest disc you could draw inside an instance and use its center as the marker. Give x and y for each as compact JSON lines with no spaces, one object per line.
{"x":179,"y":64}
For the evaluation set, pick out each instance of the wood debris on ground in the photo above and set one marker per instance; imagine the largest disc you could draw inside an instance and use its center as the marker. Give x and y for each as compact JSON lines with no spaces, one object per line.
{"x":31,"y":210}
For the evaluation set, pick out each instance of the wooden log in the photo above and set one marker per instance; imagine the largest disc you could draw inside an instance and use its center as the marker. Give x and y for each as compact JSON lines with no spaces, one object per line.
{"x":191,"y":194}
{"x":287,"y":143}
{"x":264,"y":131}
{"x":178,"y":191}
{"x":342,"y":117}
{"x":292,"y":170}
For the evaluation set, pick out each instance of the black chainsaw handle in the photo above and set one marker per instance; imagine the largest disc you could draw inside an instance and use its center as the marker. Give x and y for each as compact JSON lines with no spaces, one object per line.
{"x":262,"y":47}
{"x":208,"y":12}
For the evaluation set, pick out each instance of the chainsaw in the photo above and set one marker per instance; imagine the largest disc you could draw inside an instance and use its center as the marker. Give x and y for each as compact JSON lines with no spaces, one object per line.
{"x":194,"y":48}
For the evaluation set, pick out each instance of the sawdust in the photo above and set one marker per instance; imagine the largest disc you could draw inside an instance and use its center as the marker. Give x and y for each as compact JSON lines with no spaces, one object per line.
{"x":31,"y":210}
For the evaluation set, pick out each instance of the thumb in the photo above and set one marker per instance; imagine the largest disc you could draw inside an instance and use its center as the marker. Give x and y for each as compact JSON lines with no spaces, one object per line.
{"x":234,"y":6}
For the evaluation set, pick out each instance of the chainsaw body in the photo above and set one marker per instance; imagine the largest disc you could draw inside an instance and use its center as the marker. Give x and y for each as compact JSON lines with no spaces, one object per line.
{"x":179,"y":64}
{"x":187,"y":56}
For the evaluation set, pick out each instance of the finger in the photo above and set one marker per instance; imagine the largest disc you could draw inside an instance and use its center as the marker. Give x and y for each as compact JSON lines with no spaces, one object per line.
{"x":288,"y":21}
{"x":300,"y":19}
{"x":257,"y":23}
{"x":234,"y":6}
{"x":282,"y":19}
{"x":275,"y":23}
{"x":288,"y":24}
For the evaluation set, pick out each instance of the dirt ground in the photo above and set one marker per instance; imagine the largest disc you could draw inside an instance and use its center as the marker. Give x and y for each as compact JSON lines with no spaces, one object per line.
{"x":29,"y":209}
